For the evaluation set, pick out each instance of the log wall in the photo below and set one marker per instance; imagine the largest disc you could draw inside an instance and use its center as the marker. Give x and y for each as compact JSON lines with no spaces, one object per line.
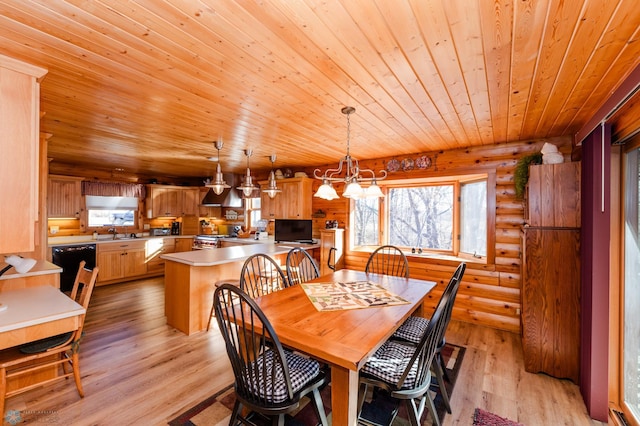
{"x":489,"y":293}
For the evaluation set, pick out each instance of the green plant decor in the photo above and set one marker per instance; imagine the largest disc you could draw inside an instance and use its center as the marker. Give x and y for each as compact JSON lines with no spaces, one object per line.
{"x":521,"y":174}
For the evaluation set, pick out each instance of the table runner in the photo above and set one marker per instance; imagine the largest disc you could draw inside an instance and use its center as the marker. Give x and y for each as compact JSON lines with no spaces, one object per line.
{"x":333,"y":296}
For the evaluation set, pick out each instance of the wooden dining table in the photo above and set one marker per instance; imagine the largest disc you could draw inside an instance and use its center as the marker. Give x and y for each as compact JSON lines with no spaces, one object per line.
{"x":344,"y":339}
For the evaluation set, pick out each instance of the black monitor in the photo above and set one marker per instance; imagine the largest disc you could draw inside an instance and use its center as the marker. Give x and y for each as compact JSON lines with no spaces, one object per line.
{"x":294,"y":230}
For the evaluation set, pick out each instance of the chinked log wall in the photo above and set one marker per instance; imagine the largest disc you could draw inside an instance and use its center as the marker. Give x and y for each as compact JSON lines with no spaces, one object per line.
{"x":489,"y":294}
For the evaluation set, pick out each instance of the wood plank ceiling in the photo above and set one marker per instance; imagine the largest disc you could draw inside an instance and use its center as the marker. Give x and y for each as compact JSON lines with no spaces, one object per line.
{"x":148,"y":85}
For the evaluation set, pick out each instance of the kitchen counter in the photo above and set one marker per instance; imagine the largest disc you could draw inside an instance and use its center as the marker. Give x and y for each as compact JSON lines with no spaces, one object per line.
{"x":223,"y":255}
{"x":190,"y":279}
{"x":88,"y":239}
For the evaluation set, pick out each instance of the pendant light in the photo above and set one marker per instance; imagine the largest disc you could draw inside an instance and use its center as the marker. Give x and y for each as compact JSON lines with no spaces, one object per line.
{"x":218,"y":185}
{"x":247,"y":186}
{"x":272,"y":188}
{"x":350,"y":173}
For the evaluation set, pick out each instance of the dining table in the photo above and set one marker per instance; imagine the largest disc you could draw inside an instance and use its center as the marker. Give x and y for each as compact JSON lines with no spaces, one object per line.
{"x":342,"y":338}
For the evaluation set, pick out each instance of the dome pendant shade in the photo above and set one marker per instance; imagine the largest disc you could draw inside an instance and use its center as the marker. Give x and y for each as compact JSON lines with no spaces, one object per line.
{"x":218,"y":185}
{"x":272,"y":187}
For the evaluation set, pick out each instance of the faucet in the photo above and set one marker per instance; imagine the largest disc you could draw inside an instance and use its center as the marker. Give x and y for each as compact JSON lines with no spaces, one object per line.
{"x":113,"y":231}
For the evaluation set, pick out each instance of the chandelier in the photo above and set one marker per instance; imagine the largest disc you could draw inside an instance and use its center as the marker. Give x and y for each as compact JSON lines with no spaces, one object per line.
{"x":349,"y":172}
{"x":218,"y":185}
{"x":272,"y":188}
{"x":247,"y":187}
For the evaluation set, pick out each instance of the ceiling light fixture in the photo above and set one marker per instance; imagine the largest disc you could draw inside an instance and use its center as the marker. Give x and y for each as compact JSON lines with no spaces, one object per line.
{"x":353,"y":175}
{"x":218,"y":185}
{"x":272,"y":188}
{"x":247,"y":186}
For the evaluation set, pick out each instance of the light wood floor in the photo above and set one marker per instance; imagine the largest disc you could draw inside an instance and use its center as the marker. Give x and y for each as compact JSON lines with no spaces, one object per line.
{"x":136,"y":370}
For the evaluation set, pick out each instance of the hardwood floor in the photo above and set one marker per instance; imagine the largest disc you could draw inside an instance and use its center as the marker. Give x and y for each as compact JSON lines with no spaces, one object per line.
{"x":137,"y":370}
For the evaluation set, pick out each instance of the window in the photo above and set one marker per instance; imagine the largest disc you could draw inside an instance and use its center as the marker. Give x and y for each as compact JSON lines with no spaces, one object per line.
{"x":253,"y":208}
{"x":447,"y":215}
{"x":111,"y":211}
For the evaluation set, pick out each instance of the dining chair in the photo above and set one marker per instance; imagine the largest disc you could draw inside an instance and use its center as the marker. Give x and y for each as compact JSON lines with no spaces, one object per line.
{"x":414,"y":328}
{"x":61,"y":350}
{"x":269,"y":380}
{"x":260,"y":275}
{"x":404,"y":370}
{"x":388,"y":260}
{"x":301,"y":267}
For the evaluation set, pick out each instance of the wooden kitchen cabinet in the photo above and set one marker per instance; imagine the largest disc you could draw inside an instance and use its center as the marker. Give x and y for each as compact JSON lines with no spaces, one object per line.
{"x":19,"y":162}
{"x":551,"y":271}
{"x":156,"y":247}
{"x":64,"y":197}
{"x":183,"y":244}
{"x":553,"y":195}
{"x":329,"y":239}
{"x":190,"y":201}
{"x":294,"y":202}
{"x":121,"y":260}
{"x":551,"y":301}
{"x":172,"y":201}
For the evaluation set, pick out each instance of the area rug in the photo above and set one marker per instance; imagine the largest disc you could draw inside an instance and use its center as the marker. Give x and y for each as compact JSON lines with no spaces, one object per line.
{"x":216,"y":409}
{"x":485,"y":418}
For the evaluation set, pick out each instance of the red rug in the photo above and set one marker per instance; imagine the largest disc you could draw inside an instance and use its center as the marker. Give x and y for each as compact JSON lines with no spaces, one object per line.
{"x":485,"y":418}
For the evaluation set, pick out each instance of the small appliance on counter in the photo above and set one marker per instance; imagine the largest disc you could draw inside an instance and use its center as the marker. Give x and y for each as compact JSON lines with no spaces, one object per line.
{"x":157,"y":232}
{"x":175,"y":228}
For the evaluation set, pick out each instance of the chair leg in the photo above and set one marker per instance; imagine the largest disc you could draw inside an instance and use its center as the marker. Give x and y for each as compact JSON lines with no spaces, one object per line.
{"x":319,"y":407}
{"x":440,"y":361}
{"x":75,"y":360}
{"x":234,"y":414}
{"x":362,"y":394}
{"x":437,"y":367}
{"x":210,"y":316}
{"x":432,"y":408}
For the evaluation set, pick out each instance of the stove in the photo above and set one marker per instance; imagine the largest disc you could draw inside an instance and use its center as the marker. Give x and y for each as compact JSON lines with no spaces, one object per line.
{"x":206,"y":242}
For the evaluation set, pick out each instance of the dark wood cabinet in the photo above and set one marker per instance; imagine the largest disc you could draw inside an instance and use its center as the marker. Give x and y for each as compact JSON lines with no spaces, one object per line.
{"x":551,"y":271}
{"x":551,"y":301}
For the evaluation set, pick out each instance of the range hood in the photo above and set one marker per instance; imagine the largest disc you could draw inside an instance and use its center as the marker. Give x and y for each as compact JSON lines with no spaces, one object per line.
{"x":228,"y":198}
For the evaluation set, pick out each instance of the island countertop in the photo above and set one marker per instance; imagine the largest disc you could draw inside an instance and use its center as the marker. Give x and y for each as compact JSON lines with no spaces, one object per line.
{"x":224,"y":255}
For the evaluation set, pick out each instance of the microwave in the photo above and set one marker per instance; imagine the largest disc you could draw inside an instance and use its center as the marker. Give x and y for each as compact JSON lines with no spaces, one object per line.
{"x":156,"y":232}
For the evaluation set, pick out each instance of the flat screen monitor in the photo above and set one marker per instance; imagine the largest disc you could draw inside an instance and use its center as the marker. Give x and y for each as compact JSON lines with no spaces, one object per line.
{"x":293,"y":230}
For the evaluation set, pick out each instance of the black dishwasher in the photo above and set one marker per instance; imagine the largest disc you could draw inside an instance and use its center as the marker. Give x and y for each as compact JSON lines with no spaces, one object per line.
{"x":69,"y":258}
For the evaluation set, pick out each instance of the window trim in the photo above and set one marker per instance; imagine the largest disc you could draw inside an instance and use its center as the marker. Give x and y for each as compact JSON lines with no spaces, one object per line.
{"x":444,"y":178}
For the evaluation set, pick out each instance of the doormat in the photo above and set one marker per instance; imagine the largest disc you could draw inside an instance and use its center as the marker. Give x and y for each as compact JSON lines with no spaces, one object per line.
{"x":485,"y":418}
{"x":217,"y":408}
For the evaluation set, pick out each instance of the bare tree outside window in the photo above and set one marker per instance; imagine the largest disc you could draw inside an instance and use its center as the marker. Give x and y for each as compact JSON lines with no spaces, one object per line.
{"x":421,"y":217}
{"x":473,"y":218}
{"x":367,"y":222}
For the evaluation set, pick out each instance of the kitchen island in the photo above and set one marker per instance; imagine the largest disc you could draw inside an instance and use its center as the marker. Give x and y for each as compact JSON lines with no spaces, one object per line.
{"x":190,"y":279}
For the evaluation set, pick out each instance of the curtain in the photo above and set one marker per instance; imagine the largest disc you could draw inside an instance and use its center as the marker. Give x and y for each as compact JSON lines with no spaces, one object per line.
{"x":114,"y":189}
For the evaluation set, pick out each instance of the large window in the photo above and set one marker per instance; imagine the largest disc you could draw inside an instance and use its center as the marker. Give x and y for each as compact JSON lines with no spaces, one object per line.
{"x":447,"y":215}
{"x":111,"y":211}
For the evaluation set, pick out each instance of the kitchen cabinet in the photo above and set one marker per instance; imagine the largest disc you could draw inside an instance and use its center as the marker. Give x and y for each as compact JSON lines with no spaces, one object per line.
{"x":121,"y":260}
{"x":551,"y":272}
{"x":19,"y":162}
{"x":190,"y":200}
{"x":331,"y":239}
{"x":551,"y":302}
{"x":183,"y":244}
{"x":294,"y":202}
{"x":552,"y":195}
{"x":172,"y":201}
{"x":64,"y":197}
{"x":155,"y":247}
